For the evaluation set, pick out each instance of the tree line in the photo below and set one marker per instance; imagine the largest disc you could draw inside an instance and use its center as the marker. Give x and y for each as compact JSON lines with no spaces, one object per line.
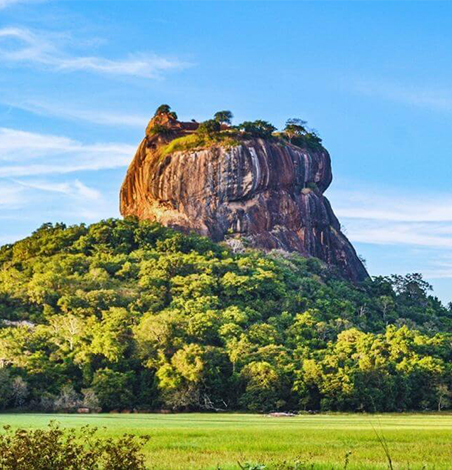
{"x":125,"y":314}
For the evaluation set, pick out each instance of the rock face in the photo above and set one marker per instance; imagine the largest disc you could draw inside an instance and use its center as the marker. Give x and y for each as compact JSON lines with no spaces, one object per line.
{"x":268,"y":193}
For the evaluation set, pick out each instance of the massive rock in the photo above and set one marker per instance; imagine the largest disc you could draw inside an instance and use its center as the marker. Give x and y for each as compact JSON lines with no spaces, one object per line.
{"x":265,"y":192}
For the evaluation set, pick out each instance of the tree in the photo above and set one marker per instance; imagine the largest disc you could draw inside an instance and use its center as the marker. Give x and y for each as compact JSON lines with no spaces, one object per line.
{"x":262,"y":383}
{"x":110,"y":338}
{"x":19,"y":391}
{"x":208,"y":128}
{"x":5,"y":388}
{"x":113,"y":389}
{"x":295,"y":128}
{"x":386,"y":304}
{"x":223,"y":117}
{"x":158,"y":129}
{"x":66,"y":330}
{"x":68,"y":399}
{"x":180,"y":380}
{"x":412,"y":285}
{"x":257,"y":128}
{"x":443,"y":396}
{"x":163,"y":109}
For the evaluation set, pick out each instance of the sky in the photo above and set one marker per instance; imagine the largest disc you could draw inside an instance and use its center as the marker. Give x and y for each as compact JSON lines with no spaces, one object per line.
{"x":79,"y":80}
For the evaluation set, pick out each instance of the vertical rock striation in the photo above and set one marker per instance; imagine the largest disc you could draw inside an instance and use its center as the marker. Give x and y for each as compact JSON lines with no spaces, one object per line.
{"x":266,"y":192}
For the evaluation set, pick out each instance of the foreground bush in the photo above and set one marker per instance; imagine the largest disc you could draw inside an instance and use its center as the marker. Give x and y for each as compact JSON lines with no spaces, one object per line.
{"x":57,"y":449}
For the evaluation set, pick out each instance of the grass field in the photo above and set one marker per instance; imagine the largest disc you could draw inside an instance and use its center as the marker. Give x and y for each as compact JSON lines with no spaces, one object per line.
{"x":212,"y":441}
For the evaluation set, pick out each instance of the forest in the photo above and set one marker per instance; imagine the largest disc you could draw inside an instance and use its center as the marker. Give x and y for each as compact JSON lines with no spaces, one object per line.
{"x":130,"y":315}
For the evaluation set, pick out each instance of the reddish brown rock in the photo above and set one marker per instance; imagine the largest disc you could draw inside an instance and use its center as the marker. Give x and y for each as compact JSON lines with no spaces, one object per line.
{"x":265,"y":192}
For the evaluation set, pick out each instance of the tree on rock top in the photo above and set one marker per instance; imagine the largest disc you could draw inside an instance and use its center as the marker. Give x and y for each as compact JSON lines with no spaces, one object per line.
{"x":209,"y":127}
{"x":165,"y":109}
{"x":223,"y":117}
{"x":295,"y":128}
{"x":257,"y":128}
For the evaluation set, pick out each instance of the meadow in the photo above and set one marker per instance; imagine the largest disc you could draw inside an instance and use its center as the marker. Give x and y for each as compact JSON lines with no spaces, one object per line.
{"x":222,"y":441}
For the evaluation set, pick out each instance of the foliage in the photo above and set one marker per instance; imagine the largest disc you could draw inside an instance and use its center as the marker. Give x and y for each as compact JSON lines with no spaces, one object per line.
{"x":224,"y":117}
{"x":165,"y":109}
{"x":162,"y":109}
{"x":298,"y":134}
{"x":311,"y":140}
{"x":209,"y":133}
{"x":295,"y":128}
{"x":257,"y":128}
{"x":125,"y":314}
{"x":113,"y":389}
{"x":159,"y":129}
{"x":57,"y":449}
{"x":209,"y":127}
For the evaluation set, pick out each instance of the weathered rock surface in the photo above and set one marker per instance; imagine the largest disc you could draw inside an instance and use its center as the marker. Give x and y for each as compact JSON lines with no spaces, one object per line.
{"x":268,"y":193}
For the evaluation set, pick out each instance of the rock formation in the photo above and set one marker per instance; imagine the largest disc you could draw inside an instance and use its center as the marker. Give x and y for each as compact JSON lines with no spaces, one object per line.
{"x":264,"y":191}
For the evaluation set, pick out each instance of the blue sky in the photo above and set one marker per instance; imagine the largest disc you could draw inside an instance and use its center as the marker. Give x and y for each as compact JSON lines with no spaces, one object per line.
{"x":80,"y":79}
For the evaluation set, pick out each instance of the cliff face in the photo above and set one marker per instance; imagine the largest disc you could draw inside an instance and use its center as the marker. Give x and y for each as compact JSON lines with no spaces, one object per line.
{"x":268,"y":193}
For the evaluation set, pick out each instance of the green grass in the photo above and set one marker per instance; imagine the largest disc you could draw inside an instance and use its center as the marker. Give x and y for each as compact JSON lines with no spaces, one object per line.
{"x":197,"y":142}
{"x":211,"y":441}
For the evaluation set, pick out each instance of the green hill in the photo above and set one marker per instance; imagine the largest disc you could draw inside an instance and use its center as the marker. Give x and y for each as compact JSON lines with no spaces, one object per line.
{"x":125,"y":314}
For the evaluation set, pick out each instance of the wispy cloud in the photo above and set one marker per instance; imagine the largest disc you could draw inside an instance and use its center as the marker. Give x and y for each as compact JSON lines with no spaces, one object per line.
{"x":74,"y":188}
{"x":400,"y":220}
{"x":441,"y":268}
{"x":431,"y":98}
{"x":11,"y":196}
{"x":53,"y":200}
{"x":386,"y":204}
{"x":7,"y":3}
{"x":26,"y":153}
{"x":393,"y":233}
{"x":23,"y":46}
{"x":67,"y":111}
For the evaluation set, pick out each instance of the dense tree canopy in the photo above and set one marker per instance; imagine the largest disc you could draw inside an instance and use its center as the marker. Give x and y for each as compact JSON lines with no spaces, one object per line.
{"x":257,"y":128}
{"x":126,"y":314}
{"x":209,"y":127}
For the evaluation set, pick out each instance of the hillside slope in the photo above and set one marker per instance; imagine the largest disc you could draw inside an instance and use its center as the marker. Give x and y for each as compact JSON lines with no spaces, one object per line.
{"x":128,"y":314}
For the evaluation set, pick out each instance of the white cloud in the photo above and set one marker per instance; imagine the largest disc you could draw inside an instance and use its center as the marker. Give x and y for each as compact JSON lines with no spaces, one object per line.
{"x":16,"y":144}
{"x":434,"y":99}
{"x":25,"y":158}
{"x":20,"y":45}
{"x":87,"y":193}
{"x":65,"y":111}
{"x":75,"y":189}
{"x":440,"y":269}
{"x":26,"y":153}
{"x":11,"y":196}
{"x":387,"y":204}
{"x":7,"y":3}
{"x":379,"y":232}
{"x":53,"y":200}
{"x":416,"y":225}
{"x":384,"y":216}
